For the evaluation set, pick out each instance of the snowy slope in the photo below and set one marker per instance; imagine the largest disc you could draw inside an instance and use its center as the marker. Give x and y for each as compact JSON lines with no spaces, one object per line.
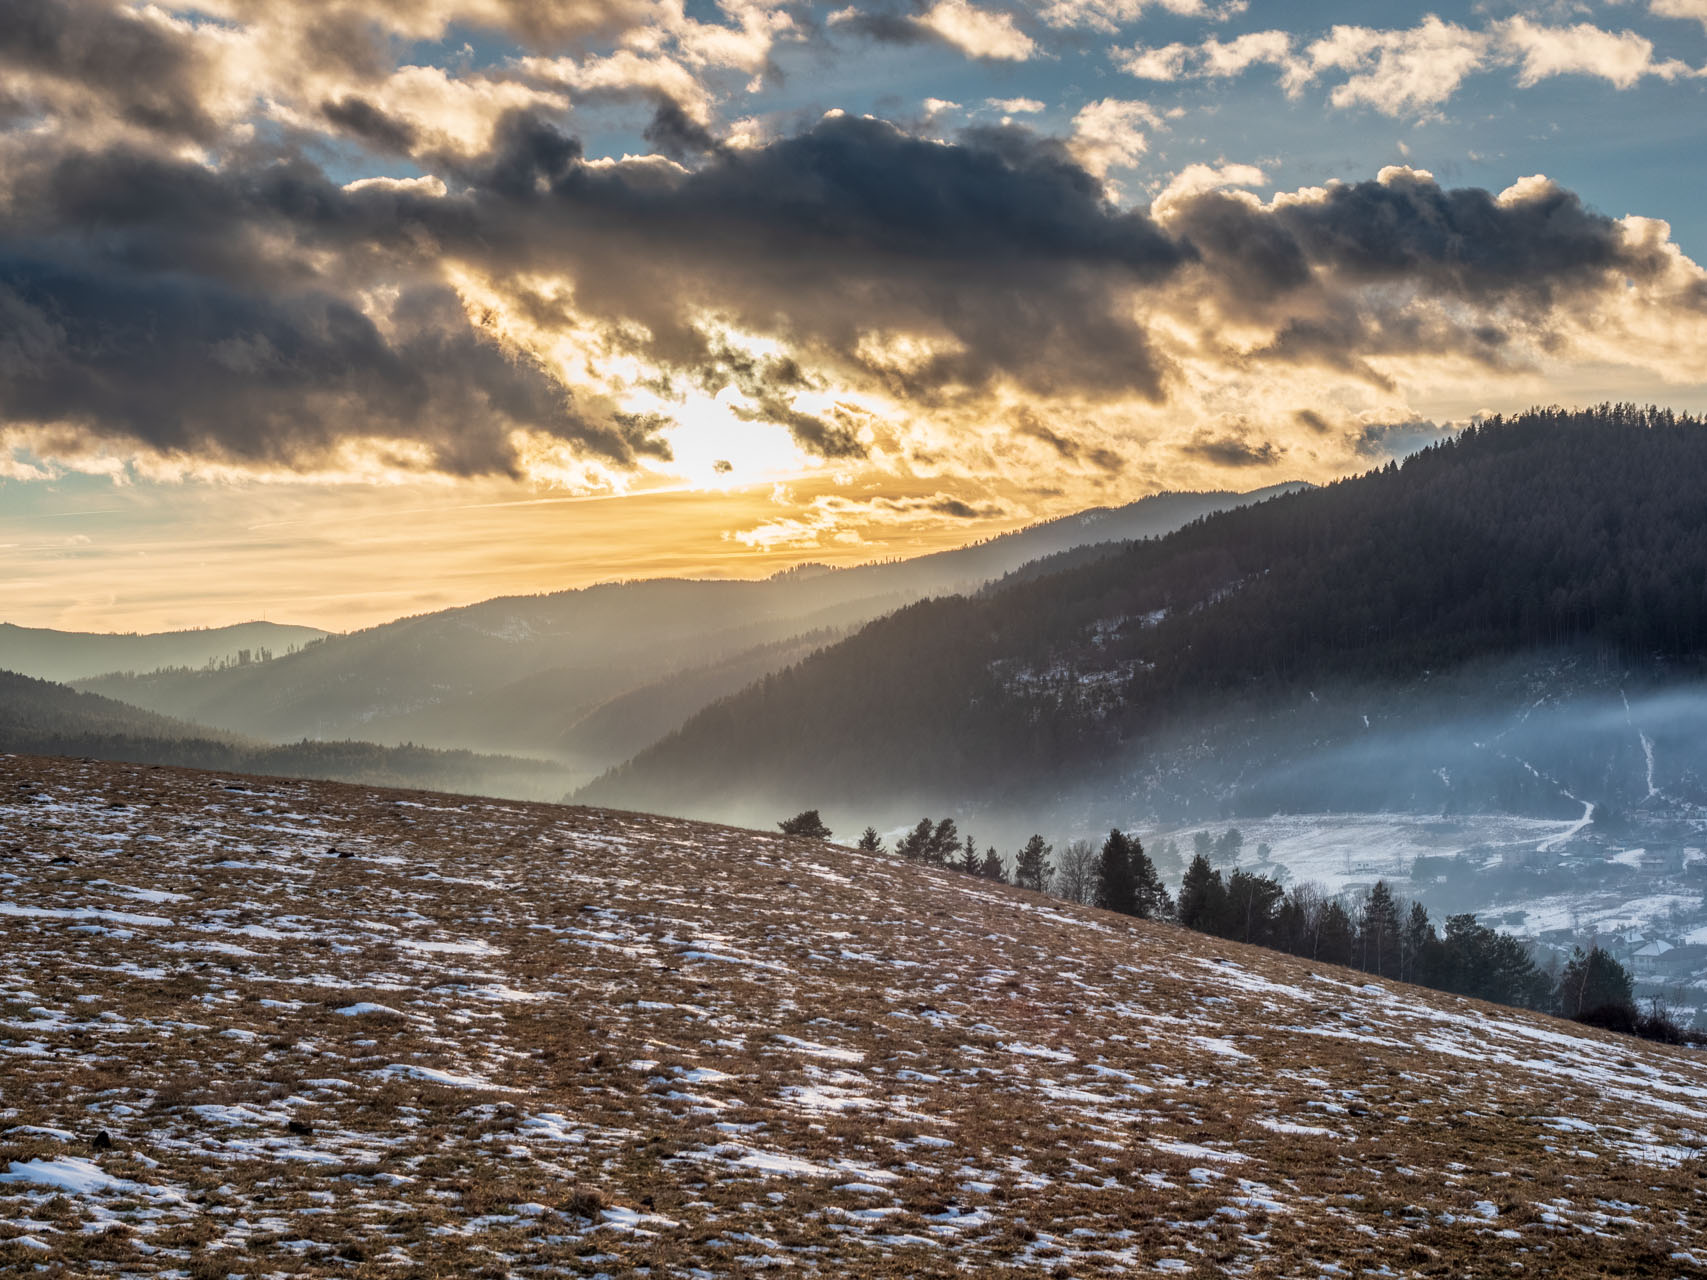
{"x":329,"y":1030}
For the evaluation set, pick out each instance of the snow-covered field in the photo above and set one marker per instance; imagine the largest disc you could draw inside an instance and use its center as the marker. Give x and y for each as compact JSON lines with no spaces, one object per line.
{"x":276,"y":1028}
{"x":1352,"y":851}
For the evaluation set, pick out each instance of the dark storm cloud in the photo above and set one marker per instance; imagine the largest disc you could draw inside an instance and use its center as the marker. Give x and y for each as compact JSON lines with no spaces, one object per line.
{"x":360,"y":118}
{"x":1463,"y":243}
{"x":1066,"y":447}
{"x":1337,"y":279}
{"x":885,"y":27}
{"x":1231,"y":450}
{"x":232,"y":322}
{"x":815,"y":434}
{"x":854,"y":227}
{"x":1001,"y":245}
{"x":963,"y":510}
{"x":677,"y":134}
{"x":191,"y":366}
{"x":113,"y":61}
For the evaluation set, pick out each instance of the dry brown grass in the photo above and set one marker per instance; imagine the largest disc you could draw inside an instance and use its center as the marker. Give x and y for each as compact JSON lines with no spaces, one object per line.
{"x":621,"y":1045}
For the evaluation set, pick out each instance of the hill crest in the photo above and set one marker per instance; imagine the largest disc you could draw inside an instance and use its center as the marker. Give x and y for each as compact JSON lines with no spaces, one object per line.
{"x":322,"y":1024}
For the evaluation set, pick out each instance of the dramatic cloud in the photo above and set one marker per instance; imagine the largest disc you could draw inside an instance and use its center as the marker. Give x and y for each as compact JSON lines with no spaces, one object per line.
{"x":998,"y":255}
{"x":193,"y":367}
{"x":86,"y":57}
{"x":182,"y":276}
{"x":1235,"y":449}
{"x":1195,"y":179}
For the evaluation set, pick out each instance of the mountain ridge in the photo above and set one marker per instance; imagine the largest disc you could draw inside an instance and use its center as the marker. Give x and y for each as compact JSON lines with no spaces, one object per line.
{"x":1555,"y":531}
{"x":516,"y":673}
{"x":39,"y":716}
{"x":63,"y":656}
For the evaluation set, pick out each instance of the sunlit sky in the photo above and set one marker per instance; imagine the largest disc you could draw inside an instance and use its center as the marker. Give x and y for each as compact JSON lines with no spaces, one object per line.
{"x":330,"y":312}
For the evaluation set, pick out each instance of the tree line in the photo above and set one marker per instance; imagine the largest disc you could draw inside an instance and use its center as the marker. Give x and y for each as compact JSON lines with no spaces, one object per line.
{"x":1383,"y":934}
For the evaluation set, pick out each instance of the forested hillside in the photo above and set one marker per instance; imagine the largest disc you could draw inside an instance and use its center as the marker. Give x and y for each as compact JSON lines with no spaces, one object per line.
{"x":38,"y":717}
{"x":1581,"y":533}
{"x":541,"y":675}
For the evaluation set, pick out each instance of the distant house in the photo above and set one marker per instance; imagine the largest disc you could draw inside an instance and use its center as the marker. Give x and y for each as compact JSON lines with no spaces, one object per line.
{"x":1661,"y":862}
{"x":1648,"y":958}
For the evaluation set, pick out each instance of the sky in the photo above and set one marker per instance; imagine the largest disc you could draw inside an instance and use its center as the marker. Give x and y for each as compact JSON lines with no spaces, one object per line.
{"x":330,"y":312}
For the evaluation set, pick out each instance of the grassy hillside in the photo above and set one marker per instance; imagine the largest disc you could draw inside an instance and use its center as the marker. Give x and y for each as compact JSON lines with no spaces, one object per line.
{"x":301,"y":1028}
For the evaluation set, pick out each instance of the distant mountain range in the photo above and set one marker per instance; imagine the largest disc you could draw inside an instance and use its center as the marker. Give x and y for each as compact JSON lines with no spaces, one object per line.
{"x":38,"y":717}
{"x":77,"y":655}
{"x":588,"y":677}
{"x":1521,"y":565}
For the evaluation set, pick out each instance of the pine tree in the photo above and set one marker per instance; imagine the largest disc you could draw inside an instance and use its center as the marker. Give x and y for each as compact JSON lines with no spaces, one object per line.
{"x":1594,"y":982}
{"x":1417,"y":946}
{"x":870,"y":841}
{"x":1114,"y":888}
{"x":993,"y":868}
{"x":1149,"y":894}
{"x":1203,"y":846}
{"x":942,"y":843}
{"x":806,"y":824}
{"x":1202,"y":896}
{"x":969,"y":861}
{"x":1251,"y":904}
{"x":1336,"y":936}
{"x":1031,"y":865}
{"x":915,"y":846}
{"x":1378,"y":933}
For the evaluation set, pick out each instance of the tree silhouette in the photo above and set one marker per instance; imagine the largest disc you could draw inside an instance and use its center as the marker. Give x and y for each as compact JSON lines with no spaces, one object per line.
{"x":806,"y":824}
{"x":1594,"y":982}
{"x":1115,"y":889}
{"x":1031,"y":865}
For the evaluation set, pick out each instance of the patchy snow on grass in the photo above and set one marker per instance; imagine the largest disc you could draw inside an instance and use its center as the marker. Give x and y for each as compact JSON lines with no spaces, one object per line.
{"x":544,"y":1041}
